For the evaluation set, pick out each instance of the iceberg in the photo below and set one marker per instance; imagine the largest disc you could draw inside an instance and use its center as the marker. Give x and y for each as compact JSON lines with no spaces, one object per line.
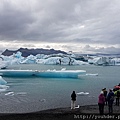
{"x":115,"y":61}
{"x":22,"y":93}
{"x":10,"y":93}
{"x":99,"y":61}
{"x":90,"y":74}
{"x":3,"y":86}
{"x":46,"y":73}
{"x":58,"y":59}
{"x":62,"y":60}
{"x":83,"y":93}
{"x":109,"y":61}
{"x":29,"y":60}
{"x":2,"y":81}
{"x":77,"y":106}
{"x":3,"y":64}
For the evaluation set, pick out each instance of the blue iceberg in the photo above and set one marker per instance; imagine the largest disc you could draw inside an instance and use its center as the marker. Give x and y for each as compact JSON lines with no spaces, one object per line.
{"x":2,"y":81}
{"x":3,"y":86}
{"x":47,"y":73}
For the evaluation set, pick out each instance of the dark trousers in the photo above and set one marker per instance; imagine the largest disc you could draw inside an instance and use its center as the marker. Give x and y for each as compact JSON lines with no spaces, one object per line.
{"x":110,"y":108}
{"x":101,"y":108}
{"x":105,"y":101}
{"x":117,"y":101}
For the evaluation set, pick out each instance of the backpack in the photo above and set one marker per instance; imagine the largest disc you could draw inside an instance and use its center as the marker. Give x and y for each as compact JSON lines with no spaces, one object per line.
{"x":112,"y":98}
{"x":118,"y":93}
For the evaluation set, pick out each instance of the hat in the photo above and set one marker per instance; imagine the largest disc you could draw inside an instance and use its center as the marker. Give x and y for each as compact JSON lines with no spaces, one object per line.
{"x":104,"y":88}
{"x":110,"y":90}
{"x":101,"y":92}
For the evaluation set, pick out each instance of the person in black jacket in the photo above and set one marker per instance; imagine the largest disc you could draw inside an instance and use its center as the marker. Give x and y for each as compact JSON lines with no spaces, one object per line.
{"x":105,"y":95}
{"x":110,"y":98}
{"x":73,"y":99}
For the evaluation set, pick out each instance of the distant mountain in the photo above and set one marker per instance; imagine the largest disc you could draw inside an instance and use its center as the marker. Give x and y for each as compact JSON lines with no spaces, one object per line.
{"x":26,"y":52}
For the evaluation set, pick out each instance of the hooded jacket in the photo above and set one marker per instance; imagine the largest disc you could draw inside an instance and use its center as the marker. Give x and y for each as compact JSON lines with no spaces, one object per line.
{"x":101,"y":99}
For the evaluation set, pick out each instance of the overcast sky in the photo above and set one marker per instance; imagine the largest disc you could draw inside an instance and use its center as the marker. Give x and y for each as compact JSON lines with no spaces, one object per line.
{"x":85,"y":26}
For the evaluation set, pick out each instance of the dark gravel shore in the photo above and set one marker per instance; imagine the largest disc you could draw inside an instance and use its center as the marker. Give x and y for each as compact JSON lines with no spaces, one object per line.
{"x":82,"y":113}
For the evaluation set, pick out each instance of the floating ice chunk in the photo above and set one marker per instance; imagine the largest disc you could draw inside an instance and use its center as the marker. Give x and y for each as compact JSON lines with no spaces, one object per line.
{"x":81,"y":75}
{"x":10,"y":93}
{"x":92,"y":74}
{"x":83,"y":93}
{"x":42,"y":100}
{"x":63,"y":69}
{"x":3,"y":88}
{"x":77,"y":106}
{"x":89,"y":74}
{"x":2,"y":81}
{"x":91,"y":96}
{"x":21,"y":93}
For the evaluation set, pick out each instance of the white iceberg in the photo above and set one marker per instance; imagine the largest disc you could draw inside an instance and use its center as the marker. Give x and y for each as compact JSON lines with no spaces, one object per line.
{"x":3,"y":88}
{"x":99,"y":61}
{"x":29,"y":60}
{"x":21,"y":93}
{"x":115,"y":61}
{"x":104,"y":61}
{"x":90,"y":74}
{"x":3,"y":64}
{"x":57,"y":59}
{"x":77,"y":106}
{"x":52,"y":60}
{"x":10,"y":93}
{"x":83,"y":93}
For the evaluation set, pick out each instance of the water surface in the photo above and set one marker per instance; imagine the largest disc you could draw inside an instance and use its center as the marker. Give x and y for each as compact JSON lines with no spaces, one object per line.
{"x":35,"y":93}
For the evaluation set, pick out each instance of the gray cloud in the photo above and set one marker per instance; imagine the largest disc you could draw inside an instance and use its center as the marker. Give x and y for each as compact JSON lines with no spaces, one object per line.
{"x":107,"y":50}
{"x":13,"y":21}
{"x":63,"y":21}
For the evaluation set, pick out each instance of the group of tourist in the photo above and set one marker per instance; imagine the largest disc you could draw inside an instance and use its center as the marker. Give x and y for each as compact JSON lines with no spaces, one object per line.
{"x":105,"y":98}
{"x":108,"y":98}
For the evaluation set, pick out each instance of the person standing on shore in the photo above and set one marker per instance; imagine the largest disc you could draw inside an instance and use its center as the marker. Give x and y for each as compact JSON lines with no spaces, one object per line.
{"x":101,"y":103}
{"x":110,"y":99}
{"x":117,"y":97}
{"x":105,"y":95}
{"x":73,"y":99}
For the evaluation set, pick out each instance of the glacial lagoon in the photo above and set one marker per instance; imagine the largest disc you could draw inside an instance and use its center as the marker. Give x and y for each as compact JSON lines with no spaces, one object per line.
{"x":30,"y":94}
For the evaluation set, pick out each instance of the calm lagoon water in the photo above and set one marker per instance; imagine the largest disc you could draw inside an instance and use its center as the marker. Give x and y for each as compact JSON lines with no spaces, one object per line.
{"x":34,"y":94}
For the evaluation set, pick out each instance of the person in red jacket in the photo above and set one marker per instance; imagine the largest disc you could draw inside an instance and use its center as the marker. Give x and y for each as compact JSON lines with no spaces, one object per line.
{"x":101,"y":103}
